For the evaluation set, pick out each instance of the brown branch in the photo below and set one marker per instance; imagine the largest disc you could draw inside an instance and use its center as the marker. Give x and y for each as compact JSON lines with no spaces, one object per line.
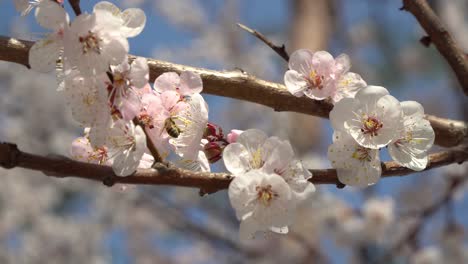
{"x":75,"y":5}
{"x":240,"y":85}
{"x":61,"y":167}
{"x":441,"y":38}
{"x":280,"y":50}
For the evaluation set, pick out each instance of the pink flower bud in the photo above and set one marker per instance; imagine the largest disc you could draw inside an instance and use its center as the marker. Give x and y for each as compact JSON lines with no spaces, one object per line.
{"x":232,"y":137}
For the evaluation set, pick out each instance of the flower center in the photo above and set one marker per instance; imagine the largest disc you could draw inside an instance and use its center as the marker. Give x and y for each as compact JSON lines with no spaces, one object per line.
{"x":100,"y":154}
{"x":90,"y":42}
{"x":371,"y":125}
{"x":265,"y":194}
{"x":257,"y":161}
{"x":315,"y":80}
{"x":362,"y":154}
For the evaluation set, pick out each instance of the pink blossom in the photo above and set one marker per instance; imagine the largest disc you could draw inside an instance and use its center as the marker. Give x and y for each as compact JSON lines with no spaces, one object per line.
{"x":319,"y":76}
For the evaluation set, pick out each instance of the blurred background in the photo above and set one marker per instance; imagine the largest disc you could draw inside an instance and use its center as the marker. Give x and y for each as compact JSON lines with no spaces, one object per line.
{"x":48,"y":220}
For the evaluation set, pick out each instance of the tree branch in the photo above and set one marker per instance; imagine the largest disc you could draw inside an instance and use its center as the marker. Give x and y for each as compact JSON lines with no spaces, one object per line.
{"x":441,"y":38}
{"x":62,"y":167}
{"x":243,"y":86}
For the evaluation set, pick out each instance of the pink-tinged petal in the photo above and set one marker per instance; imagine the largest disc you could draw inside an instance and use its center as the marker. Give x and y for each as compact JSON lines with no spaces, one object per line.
{"x":301,"y":61}
{"x":131,"y":106}
{"x":134,"y":20}
{"x":44,"y":54}
{"x":342,"y":64}
{"x":168,"y":81}
{"x":169,"y":99}
{"x":323,"y":63}
{"x":348,"y":85}
{"x":233,"y":135}
{"x":320,"y":94}
{"x":295,"y":83}
{"x":49,"y":14}
{"x":190,"y":83}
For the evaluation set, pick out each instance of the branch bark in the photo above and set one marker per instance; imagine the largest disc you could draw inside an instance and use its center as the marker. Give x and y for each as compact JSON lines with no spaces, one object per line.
{"x":62,"y":167}
{"x":441,"y":38}
{"x":243,"y":86}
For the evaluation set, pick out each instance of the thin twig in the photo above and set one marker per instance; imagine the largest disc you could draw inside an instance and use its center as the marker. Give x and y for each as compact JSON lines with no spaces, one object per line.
{"x":242,"y":86}
{"x":441,"y":38}
{"x":281,"y":50}
{"x":75,"y":5}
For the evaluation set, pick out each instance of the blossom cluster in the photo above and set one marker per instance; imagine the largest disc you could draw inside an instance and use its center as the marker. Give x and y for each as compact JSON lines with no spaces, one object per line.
{"x":364,"y":118}
{"x":127,"y":121}
{"x":110,"y":97}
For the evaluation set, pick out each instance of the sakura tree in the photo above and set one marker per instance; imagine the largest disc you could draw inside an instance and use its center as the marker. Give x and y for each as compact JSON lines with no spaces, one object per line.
{"x":146,"y":122}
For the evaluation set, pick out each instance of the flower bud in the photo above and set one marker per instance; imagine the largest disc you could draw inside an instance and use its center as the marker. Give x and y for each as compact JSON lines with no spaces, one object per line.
{"x":213,"y":132}
{"x":233,"y":135}
{"x":214,"y":151}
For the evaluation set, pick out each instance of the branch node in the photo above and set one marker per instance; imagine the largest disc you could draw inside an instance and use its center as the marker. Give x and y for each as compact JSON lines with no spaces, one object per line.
{"x":108,"y":181}
{"x":426,"y":41}
{"x":8,"y":155}
{"x":340,"y":185}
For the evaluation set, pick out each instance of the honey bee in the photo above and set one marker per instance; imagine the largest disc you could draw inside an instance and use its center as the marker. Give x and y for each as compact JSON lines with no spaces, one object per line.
{"x":171,"y":128}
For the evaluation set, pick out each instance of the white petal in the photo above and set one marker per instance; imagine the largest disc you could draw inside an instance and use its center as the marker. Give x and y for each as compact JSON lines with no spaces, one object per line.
{"x":134,"y":20}
{"x":139,"y":73}
{"x":125,"y":164}
{"x":49,"y":14}
{"x":301,"y":61}
{"x":348,"y":85}
{"x":107,"y":6}
{"x":236,"y":158}
{"x":342,"y":63}
{"x":341,"y":112}
{"x":407,"y":158}
{"x":190,"y":83}
{"x":295,"y":83}
{"x":413,"y":109}
{"x":116,"y":50}
{"x":167,"y":81}
{"x":371,"y":94}
{"x":252,"y":139}
{"x":44,"y":54}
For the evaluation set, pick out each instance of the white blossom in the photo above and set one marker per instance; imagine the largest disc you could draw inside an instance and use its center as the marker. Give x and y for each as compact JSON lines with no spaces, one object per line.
{"x":132,"y":20}
{"x":126,"y":144}
{"x":414,"y":139}
{"x":355,"y":165}
{"x":262,"y":202}
{"x":44,"y":54}
{"x":254,"y":150}
{"x":94,"y":42}
{"x":191,"y":122}
{"x":372,"y":118}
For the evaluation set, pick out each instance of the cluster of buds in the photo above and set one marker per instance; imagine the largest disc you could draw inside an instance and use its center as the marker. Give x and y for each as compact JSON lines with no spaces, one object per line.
{"x":216,"y":142}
